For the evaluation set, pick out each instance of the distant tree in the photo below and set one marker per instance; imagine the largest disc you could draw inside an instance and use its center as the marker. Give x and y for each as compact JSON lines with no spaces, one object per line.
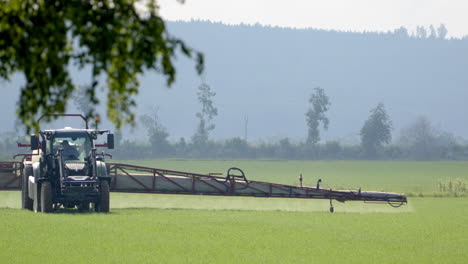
{"x":331,"y":150}
{"x":181,"y":148}
{"x":285,"y":149}
{"x":157,"y":133}
{"x":205,"y":116}
{"x":131,"y":149}
{"x":401,"y":32}
{"x":421,"y":32}
{"x":319,"y":105}
{"x":377,"y":130}
{"x":421,"y":140}
{"x":236,"y":148}
{"x":433,"y":33}
{"x":442,"y":31}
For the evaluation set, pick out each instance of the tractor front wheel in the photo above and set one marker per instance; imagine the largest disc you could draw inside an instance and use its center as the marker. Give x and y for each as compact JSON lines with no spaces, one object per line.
{"x":26,"y":202}
{"x":83,"y":207}
{"x":103,"y":204}
{"x":46,"y":197}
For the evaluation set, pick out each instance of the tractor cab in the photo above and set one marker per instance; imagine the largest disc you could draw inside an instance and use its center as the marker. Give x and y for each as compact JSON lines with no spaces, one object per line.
{"x":73,"y":148}
{"x":72,"y":151}
{"x":76,"y":145}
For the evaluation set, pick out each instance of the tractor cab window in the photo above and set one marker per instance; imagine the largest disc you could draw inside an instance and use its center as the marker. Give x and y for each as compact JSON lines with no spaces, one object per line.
{"x":76,"y":146}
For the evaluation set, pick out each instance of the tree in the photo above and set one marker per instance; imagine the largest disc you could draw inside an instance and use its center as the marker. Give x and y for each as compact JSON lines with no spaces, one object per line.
{"x":433,"y":33}
{"x":236,"y":148}
{"x":377,"y":130}
{"x":319,"y":103}
{"x":421,"y":32}
{"x":421,"y":140}
{"x":118,"y":39}
{"x":207,"y":113}
{"x":285,"y":149}
{"x":401,"y":32}
{"x":157,"y":134}
{"x":442,"y":31}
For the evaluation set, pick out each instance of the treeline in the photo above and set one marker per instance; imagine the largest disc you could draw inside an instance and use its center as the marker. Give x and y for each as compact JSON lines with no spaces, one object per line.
{"x":421,"y":32}
{"x":238,"y":148}
{"x":418,"y":142}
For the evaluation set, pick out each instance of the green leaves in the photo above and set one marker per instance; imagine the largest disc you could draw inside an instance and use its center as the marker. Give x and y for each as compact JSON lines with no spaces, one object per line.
{"x":42,"y":39}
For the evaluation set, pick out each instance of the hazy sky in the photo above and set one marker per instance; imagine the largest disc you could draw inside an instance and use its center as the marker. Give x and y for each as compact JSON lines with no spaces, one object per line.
{"x":354,"y":15}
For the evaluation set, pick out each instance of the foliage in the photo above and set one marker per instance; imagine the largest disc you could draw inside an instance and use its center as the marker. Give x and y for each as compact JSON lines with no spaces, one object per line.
{"x":119,"y":39}
{"x":237,"y":148}
{"x":454,"y":186}
{"x":376,"y":131}
{"x":207,"y":113}
{"x":421,"y":140}
{"x":331,"y":150}
{"x":439,"y":33}
{"x":157,"y":134}
{"x":283,"y":149}
{"x":132,"y":150}
{"x":320,"y":103}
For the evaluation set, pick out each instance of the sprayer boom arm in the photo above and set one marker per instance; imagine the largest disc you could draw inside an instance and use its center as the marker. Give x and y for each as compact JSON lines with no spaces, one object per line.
{"x":130,"y":178}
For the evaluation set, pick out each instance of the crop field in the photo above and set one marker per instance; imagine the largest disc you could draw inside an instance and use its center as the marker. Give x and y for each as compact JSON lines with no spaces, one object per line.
{"x":149,"y":228}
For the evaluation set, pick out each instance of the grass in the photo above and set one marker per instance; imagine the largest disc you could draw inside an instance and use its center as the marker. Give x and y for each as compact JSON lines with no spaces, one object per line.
{"x":150,"y":228}
{"x":435,"y":230}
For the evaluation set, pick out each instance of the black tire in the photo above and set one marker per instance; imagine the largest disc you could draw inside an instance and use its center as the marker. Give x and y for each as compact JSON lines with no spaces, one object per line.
{"x":103,"y":204}
{"x":46,"y":197}
{"x":83,"y":207}
{"x":26,"y":202}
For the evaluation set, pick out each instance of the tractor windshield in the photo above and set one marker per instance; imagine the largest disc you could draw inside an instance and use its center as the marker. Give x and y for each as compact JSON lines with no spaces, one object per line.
{"x":76,"y":145}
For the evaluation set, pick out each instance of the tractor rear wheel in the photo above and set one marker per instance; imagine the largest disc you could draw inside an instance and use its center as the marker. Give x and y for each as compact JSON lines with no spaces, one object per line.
{"x":26,"y":202}
{"x":103,"y":204}
{"x":46,"y":197}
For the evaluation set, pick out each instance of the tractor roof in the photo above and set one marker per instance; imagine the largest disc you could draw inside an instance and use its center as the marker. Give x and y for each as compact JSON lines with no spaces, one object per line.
{"x":74,"y":130}
{"x":70,"y":129}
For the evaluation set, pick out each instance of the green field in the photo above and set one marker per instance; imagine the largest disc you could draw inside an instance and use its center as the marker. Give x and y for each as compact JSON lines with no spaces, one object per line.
{"x":148,"y":228}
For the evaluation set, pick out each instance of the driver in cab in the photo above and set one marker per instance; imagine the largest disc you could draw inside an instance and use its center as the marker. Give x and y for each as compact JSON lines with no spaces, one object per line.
{"x":69,"y":152}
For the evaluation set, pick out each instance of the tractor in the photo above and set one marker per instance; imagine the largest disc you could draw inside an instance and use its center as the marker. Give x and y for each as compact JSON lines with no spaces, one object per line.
{"x":66,"y":170}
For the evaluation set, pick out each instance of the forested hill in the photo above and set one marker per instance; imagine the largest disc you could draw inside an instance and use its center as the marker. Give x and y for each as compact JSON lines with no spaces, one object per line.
{"x":266,"y":75}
